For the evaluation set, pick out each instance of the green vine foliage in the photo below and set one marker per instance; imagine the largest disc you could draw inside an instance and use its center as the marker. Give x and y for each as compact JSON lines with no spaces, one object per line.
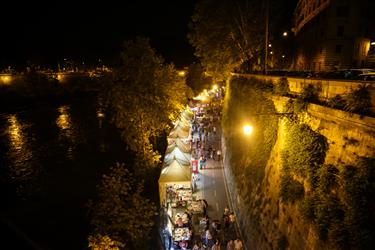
{"x":358,"y":193}
{"x":290,"y":189}
{"x":246,"y":102}
{"x":342,"y":206}
{"x":304,"y":151}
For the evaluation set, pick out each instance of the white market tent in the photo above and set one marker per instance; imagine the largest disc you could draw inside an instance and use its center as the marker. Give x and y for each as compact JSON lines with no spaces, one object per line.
{"x":178,"y":155}
{"x":187,"y":113}
{"x":178,"y":132}
{"x":183,"y":124}
{"x":174,"y":173}
{"x":179,"y":143}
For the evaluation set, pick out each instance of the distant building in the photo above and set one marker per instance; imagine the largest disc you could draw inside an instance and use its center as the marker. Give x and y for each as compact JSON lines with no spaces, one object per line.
{"x":334,"y":34}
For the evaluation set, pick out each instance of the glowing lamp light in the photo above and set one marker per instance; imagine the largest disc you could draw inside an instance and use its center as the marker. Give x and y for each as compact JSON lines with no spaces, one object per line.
{"x":181,"y":73}
{"x":270,"y":45}
{"x":5,"y":79}
{"x":214,"y":87}
{"x":372,"y":43}
{"x":285,"y":33}
{"x":248,"y":130}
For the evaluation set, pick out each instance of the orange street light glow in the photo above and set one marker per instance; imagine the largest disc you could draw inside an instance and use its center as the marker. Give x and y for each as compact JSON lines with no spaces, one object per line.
{"x":248,"y":130}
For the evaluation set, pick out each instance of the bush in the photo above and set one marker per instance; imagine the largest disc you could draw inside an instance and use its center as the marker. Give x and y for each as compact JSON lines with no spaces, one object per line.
{"x":337,"y":102}
{"x":359,"y":101}
{"x":282,"y":87}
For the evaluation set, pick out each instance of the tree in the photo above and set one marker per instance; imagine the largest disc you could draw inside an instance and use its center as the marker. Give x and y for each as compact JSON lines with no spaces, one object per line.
{"x":226,"y":34}
{"x":100,"y":242}
{"x":146,"y":96}
{"x":120,"y":211}
{"x":196,"y":78}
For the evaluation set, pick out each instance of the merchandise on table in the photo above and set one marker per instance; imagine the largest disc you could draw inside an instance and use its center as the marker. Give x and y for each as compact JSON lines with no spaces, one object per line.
{"x":181,"y":233}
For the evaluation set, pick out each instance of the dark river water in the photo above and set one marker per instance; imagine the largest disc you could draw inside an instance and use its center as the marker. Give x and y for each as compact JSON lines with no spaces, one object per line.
{"x":51,"y":159}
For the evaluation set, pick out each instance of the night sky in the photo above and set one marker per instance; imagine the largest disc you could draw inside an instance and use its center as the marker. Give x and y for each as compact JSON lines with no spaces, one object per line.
{"x":86,"y":31}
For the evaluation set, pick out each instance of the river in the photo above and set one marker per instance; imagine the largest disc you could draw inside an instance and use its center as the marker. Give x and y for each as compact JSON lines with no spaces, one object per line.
{"x":51,"y":159}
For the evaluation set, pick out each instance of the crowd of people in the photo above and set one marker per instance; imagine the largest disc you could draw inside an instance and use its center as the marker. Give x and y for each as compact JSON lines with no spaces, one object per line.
{"x":216,"y":234}
{"x":205,"y":233}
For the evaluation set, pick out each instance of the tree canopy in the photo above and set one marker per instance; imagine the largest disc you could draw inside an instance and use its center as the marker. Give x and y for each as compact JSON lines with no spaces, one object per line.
{"x":226,"y":34}
{"x":146,"y":96}
{"x":121,"y":212}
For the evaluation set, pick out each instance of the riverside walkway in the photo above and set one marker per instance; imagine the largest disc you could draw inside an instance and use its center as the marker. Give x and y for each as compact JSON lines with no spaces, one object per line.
{"x":211,"y":184}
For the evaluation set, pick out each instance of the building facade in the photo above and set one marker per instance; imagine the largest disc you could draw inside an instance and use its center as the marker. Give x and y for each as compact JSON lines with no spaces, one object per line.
{"x":334,"y":34}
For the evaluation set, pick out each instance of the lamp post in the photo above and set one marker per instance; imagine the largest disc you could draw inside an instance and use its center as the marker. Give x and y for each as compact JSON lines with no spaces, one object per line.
{"x":266,"y":38}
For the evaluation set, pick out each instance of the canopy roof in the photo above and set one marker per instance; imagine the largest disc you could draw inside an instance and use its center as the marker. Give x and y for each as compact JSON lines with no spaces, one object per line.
{"x":179,"y":132}
{"x":179,"y":156}
{"x":183,"y":123}
{"x":175,"y":173}
{"x":187,"y":113}
{"x":180,"y":141}
{"x":177,"y":142}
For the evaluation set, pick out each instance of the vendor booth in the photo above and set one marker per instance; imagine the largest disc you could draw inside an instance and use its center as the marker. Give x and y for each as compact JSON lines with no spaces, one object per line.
{"x":176,"y":176}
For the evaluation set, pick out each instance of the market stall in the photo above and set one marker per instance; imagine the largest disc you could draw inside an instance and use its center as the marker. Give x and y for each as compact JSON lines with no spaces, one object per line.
{"x":174,"y":175}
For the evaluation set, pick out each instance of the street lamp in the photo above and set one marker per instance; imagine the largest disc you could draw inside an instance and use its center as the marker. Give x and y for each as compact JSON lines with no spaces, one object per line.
{"x":248,"y":129}
{"x":285,"y":33}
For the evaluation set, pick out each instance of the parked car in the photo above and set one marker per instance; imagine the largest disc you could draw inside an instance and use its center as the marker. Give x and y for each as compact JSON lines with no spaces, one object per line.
{"x":369,"y":76}
{"x":354,"y":73}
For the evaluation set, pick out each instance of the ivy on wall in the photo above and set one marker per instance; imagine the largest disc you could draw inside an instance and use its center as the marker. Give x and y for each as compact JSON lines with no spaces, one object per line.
{"x":342,"y":207}
{"x":304,"y":151}
{"x":336,"y":200}
{"x":246,"y":101}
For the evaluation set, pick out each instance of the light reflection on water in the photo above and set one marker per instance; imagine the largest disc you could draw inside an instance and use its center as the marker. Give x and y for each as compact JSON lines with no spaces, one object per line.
{"x":45,"y":189}
{"x":19,"y":151}
{"x":63,"y":121}
{"x":67,"y":133}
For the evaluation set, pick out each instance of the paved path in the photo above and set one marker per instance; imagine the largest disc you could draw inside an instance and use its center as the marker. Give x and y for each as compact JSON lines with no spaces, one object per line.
{"x":211,"y":186}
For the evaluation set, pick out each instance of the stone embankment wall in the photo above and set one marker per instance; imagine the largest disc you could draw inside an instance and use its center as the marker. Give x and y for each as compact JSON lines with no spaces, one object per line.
{"x":265,"y":221}
{"x":328,"y":88}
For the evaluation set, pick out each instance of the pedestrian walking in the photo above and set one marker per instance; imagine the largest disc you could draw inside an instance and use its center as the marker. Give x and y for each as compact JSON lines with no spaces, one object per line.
{"x":230,"y":245}
{"x":216,"y":246}
{"x":238,"y":244}
{"x":218,"y":152}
